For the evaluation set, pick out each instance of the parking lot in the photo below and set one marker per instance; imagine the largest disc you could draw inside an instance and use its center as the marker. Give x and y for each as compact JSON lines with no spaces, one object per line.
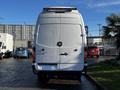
{"x":16,"y":74}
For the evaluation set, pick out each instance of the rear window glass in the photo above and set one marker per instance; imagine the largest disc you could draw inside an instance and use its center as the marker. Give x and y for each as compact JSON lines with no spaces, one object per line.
{"x":68,"y":34}
{"x":48,"y":34}
{"x":20,"y":49}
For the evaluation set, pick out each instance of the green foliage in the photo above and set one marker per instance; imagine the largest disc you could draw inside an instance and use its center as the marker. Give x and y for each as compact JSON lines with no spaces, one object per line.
{"x":113,"y":29}
{"x":112,"y":19}
{"x":111,"y":25}
{"x":106,"y":32}
{"x":106,"y":73}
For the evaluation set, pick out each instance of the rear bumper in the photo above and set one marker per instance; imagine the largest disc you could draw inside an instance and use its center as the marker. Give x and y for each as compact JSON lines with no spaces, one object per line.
{"x":56,"y":69}
{"x":58,"y":73}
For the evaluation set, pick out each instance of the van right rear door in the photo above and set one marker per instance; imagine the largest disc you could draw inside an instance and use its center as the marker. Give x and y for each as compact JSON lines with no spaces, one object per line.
{"x":71,"y":52}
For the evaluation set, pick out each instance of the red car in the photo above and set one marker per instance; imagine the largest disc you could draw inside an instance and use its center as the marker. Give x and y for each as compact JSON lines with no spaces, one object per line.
{"x":93,"y":51}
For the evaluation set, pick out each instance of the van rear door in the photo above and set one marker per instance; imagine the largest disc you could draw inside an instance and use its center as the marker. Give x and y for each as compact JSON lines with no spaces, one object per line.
{"x":47,"y":50}
{"x":71,"y":51}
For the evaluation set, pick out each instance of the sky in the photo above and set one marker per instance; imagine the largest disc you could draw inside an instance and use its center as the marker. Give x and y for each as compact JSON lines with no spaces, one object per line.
{"x":94,"y":12}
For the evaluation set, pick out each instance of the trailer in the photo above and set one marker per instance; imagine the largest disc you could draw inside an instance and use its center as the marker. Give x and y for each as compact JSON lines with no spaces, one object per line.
{"x":6,"y":45}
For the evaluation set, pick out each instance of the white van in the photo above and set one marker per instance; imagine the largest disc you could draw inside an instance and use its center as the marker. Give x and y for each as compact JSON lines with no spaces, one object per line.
{"x":6,"y":45}
{"x":60,"y":39}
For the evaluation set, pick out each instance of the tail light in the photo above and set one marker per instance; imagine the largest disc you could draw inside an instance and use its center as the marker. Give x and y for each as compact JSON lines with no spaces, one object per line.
{"x":33,"y":55}
{"x":85,"y":54}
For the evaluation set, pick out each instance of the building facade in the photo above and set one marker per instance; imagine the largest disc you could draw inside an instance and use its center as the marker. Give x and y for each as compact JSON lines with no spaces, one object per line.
{"x":95,"y":40}
{"x":106,"y":44}
{"x":22,"y":33}
{"x":109,"y":46}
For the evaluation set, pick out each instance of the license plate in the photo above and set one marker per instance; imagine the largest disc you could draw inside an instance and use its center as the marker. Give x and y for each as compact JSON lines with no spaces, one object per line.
{"x":49,"y":67}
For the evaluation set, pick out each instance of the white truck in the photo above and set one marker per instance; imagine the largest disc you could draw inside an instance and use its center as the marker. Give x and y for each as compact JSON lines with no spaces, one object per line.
{"x":59,"y":43}
{"x":6,"y":45}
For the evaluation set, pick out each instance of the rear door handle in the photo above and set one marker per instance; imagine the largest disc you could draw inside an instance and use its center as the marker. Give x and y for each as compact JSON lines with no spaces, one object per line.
{"x":64,"y":54}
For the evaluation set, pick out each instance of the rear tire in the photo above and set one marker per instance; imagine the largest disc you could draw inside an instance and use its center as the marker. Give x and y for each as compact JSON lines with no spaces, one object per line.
{"x":43,"y":79}
{"x":28,"y":56}
{"x":79,"y":78}
{"x":97,"y":56}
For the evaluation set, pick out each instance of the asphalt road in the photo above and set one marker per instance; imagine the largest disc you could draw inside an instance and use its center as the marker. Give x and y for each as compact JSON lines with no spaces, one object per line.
{"x":16,"y":74}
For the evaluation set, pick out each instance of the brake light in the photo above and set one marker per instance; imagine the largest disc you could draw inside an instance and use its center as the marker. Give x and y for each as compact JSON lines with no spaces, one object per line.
{"x":85,"y":54}
{"x":33,"y":57}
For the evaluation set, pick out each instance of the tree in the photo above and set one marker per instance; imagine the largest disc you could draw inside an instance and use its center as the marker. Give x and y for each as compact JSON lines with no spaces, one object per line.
{"x":113,"y":29}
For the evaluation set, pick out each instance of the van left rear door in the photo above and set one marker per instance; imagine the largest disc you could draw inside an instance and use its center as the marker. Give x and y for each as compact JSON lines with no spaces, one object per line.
{"x":47,"y":51}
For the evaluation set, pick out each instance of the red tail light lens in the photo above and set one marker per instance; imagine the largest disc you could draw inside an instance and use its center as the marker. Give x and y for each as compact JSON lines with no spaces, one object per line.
{"x":85,"y":54}
{"x":33,"y":56}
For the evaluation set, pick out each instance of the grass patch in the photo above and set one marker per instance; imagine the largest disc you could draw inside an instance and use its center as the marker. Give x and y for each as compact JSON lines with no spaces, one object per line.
{"x":108,"y":74}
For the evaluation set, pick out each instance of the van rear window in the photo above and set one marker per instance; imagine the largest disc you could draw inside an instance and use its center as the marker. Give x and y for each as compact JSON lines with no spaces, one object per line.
{"x":48,"y":34}
{"x":68,"y":34}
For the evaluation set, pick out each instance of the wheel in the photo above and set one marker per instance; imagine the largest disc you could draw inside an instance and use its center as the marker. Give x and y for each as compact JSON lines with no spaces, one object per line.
{"x":79,"y":78}
{"x":43,"y":79}
{"x":7,"y":54}
{"x":92,"y":56}
{"x":28,"y":56}
{"x":97,"y":56}
{"x":85,"y":69}
{"x":15,"y":57}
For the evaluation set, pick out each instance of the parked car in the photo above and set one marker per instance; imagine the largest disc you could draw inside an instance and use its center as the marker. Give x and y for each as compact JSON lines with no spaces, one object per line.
{"x":21,"y":52}
{"x":93,"y":51}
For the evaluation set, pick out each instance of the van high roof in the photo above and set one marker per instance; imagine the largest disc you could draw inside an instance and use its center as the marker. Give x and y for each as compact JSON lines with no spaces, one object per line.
{"x":59,"y":9}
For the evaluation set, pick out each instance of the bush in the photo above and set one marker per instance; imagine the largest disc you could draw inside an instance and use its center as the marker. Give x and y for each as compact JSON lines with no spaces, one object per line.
{"x":111,"y":62}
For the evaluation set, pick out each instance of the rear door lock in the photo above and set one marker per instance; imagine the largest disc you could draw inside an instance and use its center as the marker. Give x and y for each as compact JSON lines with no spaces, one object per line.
{"x":59,"y":44}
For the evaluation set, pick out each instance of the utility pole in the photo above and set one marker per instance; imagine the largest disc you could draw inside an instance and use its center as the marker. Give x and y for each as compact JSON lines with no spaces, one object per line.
{"x":86,"y":29}
{"x":99,"y":25}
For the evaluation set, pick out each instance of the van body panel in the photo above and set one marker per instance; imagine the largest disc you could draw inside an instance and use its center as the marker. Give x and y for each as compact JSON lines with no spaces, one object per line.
{"x":64,"y":18}
{"x":59,"y":67}
{"x":71,"y":67}
{"x":70,"y":35}
{"x":49,"y":20}
{"x":59,"y":41}
{"x":47,"y":50}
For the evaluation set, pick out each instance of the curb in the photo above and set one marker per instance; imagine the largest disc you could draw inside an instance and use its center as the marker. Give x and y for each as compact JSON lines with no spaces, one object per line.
{"x":97,"y":84}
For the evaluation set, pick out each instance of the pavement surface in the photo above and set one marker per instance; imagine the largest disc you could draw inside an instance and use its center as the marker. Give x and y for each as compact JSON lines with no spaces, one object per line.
{"x":97,"y":60}
{"x":16,"y":74}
